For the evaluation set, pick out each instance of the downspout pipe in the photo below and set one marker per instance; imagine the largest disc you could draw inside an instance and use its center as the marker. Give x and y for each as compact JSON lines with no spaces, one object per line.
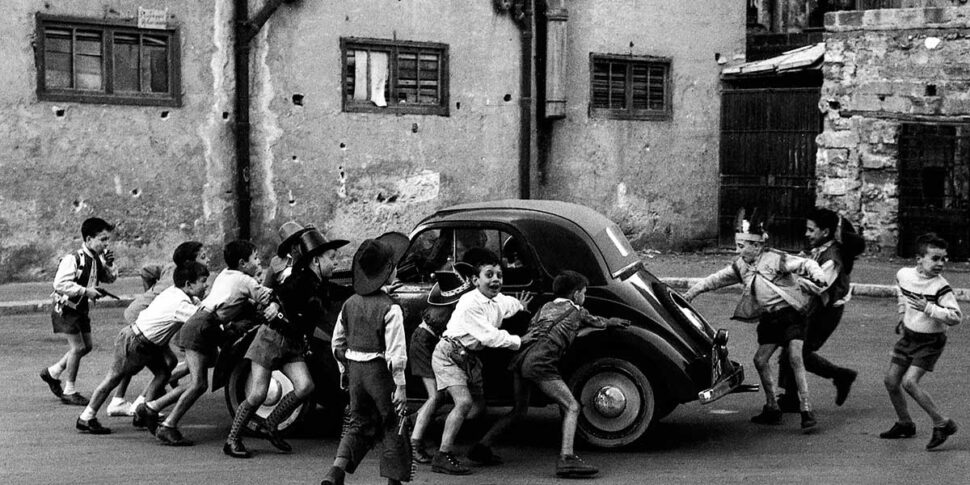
{"x":523,"y":14}
{"x":245,"y":31}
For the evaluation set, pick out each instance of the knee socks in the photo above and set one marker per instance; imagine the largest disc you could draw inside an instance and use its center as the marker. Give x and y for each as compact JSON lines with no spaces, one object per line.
{"x":286,"y":406}
{"x":243,"y":413}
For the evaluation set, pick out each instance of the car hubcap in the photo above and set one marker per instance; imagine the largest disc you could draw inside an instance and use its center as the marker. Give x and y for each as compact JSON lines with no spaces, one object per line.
{"x":610,"y":401}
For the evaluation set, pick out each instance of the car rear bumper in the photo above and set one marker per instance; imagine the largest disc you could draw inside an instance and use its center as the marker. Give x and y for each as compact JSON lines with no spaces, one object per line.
{"x":726,"y":385}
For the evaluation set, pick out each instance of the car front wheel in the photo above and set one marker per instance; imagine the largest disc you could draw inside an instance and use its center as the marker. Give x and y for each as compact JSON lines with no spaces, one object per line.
{"x":617,"y":399}
{"x":240,"y":382}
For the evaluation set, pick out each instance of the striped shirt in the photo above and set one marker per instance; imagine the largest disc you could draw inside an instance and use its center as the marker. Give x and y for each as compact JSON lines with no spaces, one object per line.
{"x":941,"y":310}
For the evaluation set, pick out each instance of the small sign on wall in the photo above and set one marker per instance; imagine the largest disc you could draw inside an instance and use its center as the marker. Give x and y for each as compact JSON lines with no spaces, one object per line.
{"x":152,"y":18}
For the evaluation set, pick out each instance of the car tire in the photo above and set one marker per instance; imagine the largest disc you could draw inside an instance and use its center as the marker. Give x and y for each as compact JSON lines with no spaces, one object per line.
{"x":280,"y":385}
{"x":617,"y":399}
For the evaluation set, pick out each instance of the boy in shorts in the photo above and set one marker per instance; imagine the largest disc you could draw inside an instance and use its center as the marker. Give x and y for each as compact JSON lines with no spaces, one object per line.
{"x":144,"y":343}
{"x":773,"y":297}
{"x":233,"y":296}
{"x":927,"y":306}
{"x":473,"y":326}
{"x":78,"y":275}
{"x":369,"y":344}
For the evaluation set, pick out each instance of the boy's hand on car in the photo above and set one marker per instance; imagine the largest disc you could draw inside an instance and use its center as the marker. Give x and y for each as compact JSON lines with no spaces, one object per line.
{"x":689,"y":295}
{"x":524,"y":298}
{"x":391,"y":288}
{"x":617,"y":323}
{"x":271,"y":311}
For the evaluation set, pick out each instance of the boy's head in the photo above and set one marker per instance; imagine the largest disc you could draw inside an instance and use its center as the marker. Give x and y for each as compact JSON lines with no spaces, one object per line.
{"x":750,"y":236}
{"x":820,"y":226}
{"x":488,"y":271}
{"x":317,"y":252}
{"x":96,"y":233}
{"x":193,"y":278}
{"x":931,"y":254}
{"x":241,"y":255}
{"x":571,"y":285}
{"x":190,"y":251}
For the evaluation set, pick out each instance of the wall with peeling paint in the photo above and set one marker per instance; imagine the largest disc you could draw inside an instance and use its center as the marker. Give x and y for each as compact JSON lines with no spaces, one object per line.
{"x":157,"y":172}
{"x":360,"y":174}
{"x":657,"y":179}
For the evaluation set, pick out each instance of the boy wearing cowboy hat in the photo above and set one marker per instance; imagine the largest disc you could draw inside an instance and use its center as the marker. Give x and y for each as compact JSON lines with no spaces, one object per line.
{"x":281,"y":265}
{"x":369,"y":343}
{"x":281,"y":343}
{"x":448,"y":287}
{"x":773,"y":297}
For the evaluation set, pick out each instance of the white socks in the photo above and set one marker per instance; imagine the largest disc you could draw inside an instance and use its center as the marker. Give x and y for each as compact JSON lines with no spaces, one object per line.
{"x":55,"y":371}
{"x":87,"y":414}
{"x":140,"y":399}
{"x":69,"y":388}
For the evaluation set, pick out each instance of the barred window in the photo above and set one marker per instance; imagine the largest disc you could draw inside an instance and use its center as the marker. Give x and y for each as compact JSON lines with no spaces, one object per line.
{"x":394,"y":76}
{"x":93,"y":61}
{"x":629,"y":87}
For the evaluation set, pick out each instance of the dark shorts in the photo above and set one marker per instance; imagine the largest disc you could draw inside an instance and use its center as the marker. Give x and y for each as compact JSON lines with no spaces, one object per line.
{"x":919,"y":349}
{"x":422,"y":346}
{"x":538,"y":362}
{"x":202,"y":333}
{"x":134,"y":352}
{"x":273,"y":350}
{"x":71,"y":322}
{"x":780,"y":327}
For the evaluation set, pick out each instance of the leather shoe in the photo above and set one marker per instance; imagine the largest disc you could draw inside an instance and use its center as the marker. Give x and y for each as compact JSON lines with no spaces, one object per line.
{"x":447,"y":463}
{"x":91,"y":426}
{"x":145,"y":417}
{"x":419,"y":454}
{"x":843,"y":384}
{"x":172,"y":436}
{"x":571,"y":466}
{"x":899,"y":430}
{"x":75,"y":399}
{"x":236,"y":449}
{"x":788,"y":403}
{"x":274,"y":438}
{"x":54,"y":384}
{"x":768,"y":415}
{"x":941,"y":433}
{"x":334,"y":476}
{"x":483,"y":455}
{"x":808,"y":420}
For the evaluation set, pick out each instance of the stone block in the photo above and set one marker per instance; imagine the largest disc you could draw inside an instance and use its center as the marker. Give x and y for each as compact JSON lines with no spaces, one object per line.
{"x":874,"y":161}
{"x":838,"y":139}
{"x":864,"y":102}
{"x":955,"y":106}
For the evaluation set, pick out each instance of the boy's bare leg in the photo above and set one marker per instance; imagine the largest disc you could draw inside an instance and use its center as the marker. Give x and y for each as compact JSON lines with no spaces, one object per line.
{"x":762,"y":362}
{"x":122,"y":387}
{"x":559,"y":392}
{"x":161,"y":373}
{"x":80,"y":344}
{"x":100,"y":394}
{"x":894,"y":377}
{"x":199,"y":377}
{"x":426,"y":412}
{"x":910,"y":384}
{"x":463,"y":403}
{"x":520,"y":408}
{"x":796,"y":359}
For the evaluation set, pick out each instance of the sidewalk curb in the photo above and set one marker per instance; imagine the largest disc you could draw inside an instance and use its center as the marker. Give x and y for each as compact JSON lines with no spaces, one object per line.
{"x":858,"y":289}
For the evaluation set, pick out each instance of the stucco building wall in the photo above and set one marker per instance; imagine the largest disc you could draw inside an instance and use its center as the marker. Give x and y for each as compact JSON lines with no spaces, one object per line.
{"x":884,"y":68}
{"x":657,"y":179}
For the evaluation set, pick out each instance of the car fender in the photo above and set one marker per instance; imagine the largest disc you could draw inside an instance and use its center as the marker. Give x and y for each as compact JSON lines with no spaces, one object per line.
{"x":659,"y":360}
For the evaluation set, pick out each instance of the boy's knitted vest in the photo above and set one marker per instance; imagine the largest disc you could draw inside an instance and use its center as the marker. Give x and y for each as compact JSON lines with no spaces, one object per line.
{"x":363,"y":317}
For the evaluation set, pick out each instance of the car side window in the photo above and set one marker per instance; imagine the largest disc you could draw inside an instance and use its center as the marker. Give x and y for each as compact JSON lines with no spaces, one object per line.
{"x":438,"y":250}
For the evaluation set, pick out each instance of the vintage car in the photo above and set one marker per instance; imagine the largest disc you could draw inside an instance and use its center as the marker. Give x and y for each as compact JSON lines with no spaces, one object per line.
{"x":625,"y":379}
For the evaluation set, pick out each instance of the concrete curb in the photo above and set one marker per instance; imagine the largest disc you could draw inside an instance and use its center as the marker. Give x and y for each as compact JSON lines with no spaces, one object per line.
{"x":858,"y":289}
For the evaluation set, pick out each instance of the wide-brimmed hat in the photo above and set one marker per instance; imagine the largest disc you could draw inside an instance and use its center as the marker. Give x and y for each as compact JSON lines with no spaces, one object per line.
{"x":290,"y":233}
{"x":376,"y":259}
{"x":450,"y":285}
{"x":313,"y":242}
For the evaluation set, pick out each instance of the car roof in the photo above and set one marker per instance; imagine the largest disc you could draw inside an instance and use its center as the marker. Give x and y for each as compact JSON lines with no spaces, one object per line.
{"x":607,"y":237}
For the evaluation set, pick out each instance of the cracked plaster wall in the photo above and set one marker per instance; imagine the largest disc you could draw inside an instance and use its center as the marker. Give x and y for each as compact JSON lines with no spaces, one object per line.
{"x":657,"y":179}
{"x":883,"y":68}
{"x":159,"y":173}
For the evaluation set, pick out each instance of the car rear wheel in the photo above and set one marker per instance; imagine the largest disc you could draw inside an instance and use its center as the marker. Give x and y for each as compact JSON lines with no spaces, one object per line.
{"x":618,"y":402}
{"x":240,"y":381}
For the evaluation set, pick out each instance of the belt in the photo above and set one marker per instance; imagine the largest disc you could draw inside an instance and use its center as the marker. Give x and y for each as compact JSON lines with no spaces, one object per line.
{"x":140,"y":336}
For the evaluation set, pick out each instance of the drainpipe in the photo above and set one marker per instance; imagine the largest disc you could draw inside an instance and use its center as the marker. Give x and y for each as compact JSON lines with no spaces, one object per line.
{"x":245,"y":32}
{"x":521,"y":12}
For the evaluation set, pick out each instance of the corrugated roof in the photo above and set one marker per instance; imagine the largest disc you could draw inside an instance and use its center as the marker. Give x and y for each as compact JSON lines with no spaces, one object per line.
{"x":808,"y":57}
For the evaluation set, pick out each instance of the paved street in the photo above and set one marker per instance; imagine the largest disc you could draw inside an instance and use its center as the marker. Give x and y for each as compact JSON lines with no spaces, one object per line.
{"x":696,"y":444}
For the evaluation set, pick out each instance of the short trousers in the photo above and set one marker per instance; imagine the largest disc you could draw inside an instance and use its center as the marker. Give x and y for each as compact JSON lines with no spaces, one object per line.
{"x":541,"y":362}
{"x":134,"y":352}
{"x":781,"y":326}
{"x":71,"y":322}
{"x":202,"y":333}
{"x":918,"y":349}
{"x":272,"y":350}
{"x":422,"y":347}
{"x":449,"y":373}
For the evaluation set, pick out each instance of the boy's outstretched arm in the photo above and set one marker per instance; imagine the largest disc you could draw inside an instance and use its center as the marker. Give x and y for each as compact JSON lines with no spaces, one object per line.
{"x":808,"y":268}
{"x":946,"y":309}
{"x":725,"y":277}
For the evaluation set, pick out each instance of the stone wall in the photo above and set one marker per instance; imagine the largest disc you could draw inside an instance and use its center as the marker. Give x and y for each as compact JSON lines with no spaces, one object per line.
{"x":883,"y":68}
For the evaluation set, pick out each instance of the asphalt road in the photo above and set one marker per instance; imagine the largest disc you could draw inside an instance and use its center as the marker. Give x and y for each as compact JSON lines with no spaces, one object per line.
{"x":695,"y":444}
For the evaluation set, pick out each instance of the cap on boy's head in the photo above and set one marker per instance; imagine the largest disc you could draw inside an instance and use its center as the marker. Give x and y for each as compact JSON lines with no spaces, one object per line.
{"x":93,"y":226}
{"x":929,"y":239}
{"x":750,"y":229}
{"x":290,"y":233}
{"x":313,"y":242}
{"x":237,"y":250}
{"x":185,"y":252}
{"x":567,"y":282}
{"x":478,"y":257}
{"x":375,"y":260}
{"x":449,"y":287}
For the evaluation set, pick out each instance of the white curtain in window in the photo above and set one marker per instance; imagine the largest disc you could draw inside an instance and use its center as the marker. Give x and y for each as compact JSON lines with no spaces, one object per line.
{"x":361,"y":90}
{"x":378,"y":77}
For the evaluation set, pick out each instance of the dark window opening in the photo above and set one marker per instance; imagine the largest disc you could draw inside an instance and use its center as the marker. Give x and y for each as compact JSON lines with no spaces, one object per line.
{"x":394,"y":76}
{"x":629,"y":87}
{"x":92,"y":61}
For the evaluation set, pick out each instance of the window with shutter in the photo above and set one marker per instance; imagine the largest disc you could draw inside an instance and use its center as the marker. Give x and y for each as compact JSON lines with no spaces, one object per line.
{"x":389,"y":76}
{"x":110,"y":62}
{"x":629,"y":87}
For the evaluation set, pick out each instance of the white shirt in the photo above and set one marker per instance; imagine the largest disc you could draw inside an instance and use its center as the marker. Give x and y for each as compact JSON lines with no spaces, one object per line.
{"x":165,"y":315}
{"x":230,"y":290}
{"x":395,"y":353}
{"x":477,"y":319}
{"x":67,"y":269}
